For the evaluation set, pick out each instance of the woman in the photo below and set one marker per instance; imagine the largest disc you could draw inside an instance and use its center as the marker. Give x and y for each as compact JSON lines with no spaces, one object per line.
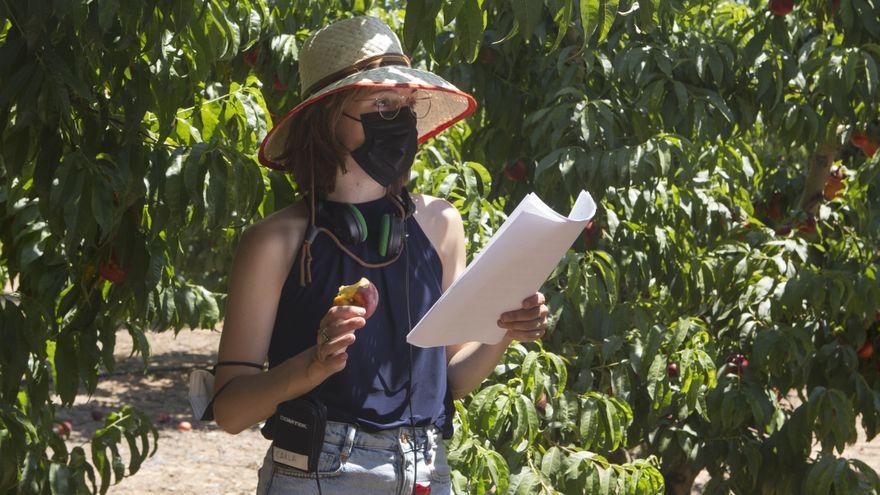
{"x":351,"y":143}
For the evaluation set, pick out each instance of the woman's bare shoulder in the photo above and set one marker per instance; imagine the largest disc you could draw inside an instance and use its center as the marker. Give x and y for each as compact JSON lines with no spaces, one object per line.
{"x":280,"y":232}
{"x":441,"y":222}
{"x":436,"y":211}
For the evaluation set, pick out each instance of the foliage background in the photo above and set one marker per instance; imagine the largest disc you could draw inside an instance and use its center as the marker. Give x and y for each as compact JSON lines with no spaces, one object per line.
{"x":706,"y":129}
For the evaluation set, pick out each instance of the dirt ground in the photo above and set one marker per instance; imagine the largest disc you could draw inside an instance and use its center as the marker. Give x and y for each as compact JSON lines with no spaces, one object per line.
{"x":200,"y":461}
{"x":206,"y":459}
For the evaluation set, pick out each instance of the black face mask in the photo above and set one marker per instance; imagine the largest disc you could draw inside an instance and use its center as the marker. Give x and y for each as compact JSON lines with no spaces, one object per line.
{"x":389,"y":145}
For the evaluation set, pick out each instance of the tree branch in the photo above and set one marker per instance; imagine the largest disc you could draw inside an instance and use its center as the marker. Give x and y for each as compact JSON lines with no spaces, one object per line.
{"x":817,"y":173}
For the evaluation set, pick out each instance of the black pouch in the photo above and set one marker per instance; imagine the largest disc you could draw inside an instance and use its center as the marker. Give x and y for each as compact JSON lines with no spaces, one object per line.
{"x":298,"y":433}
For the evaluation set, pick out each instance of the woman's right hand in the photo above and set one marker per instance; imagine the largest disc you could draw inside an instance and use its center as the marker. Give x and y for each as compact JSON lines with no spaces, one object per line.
{"x":335,"y":333}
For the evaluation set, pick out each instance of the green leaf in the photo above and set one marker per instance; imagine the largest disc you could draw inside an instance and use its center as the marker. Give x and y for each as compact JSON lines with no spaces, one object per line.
{"x":13,"y":85}
{"x":498,"y":470}
{"x":528,"y":14}
{"x":648,"y":14}
{"x":591,"y":13}
{"x":589,"y":422}
{"x":66,"y":367}
{"x":597,"y":16}
{"x":411,"y":24}
{"x":59,"y":479}
{"x":103,"y":208}
{"x":470,"y":24}
{"x":820,"y":477}
{"x":562,"y":18}
{"x":216,"y":199}
{"x":553,"y":462}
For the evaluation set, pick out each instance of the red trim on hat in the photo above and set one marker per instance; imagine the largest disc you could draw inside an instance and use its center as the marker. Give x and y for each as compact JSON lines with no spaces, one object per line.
{"x":472,"y":105}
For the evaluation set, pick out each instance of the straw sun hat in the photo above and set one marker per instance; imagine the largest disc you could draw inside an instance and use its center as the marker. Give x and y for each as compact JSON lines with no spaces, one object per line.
{"x":364,"y":51}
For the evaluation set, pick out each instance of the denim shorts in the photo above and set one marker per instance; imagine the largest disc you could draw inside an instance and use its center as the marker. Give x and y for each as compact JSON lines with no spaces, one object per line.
{"x":356,"y":461}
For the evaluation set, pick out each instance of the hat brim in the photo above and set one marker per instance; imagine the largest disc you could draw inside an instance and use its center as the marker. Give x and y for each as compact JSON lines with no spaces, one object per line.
{"x":448,"y":104}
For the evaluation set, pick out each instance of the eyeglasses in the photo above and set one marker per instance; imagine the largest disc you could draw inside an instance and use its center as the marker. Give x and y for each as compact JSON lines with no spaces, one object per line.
{"x":388,"y":106}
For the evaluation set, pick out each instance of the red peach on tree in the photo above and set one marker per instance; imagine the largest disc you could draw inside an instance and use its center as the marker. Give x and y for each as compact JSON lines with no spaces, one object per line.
{"x":592,"y":232}
{"x":861,"y":141}
{"x":278,"y":85}
{"x":109,"y":270}
{"x":515,"y":171}
{"x":250,"y":57}
{"x":834,"y":184}
{"x":867,"y":349}
{"x":781,"y":7}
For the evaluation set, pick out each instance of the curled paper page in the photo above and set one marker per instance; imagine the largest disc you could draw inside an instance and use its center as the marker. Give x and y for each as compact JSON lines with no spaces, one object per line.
{"x":511,"y":267}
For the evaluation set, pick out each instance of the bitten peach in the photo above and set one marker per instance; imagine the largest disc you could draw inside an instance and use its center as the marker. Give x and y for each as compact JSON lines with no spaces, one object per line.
{"x":362,"y":293}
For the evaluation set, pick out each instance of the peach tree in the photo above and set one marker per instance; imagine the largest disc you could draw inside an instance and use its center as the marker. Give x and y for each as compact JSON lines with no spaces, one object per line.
{"x":721,"y":311}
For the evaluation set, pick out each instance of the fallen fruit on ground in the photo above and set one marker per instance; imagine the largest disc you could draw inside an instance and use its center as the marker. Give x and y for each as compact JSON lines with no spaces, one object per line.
{"x":62,"y":429}
{"x":97,"y":414}
{"x":184,"y":426}
{"x":362,"y":293}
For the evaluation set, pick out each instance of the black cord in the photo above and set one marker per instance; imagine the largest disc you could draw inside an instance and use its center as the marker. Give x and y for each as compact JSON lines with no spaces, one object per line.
{"x":315,"y":393}
{"x":317,"y":478}
{"x":409,"y":346}
{"x":412,"y":423}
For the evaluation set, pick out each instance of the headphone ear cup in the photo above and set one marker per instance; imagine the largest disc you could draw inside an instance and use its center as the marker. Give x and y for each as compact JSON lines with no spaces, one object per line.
{"x":384,"y":234}
{"x":395,"y":235}
{"x":355,"y":223}
{"x":346,"y":222}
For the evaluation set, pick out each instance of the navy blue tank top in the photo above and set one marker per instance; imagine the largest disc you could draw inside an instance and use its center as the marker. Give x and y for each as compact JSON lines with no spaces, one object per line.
{"x":371,"y":391}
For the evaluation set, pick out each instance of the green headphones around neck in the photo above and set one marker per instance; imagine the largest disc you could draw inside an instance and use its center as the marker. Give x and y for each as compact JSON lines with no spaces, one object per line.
{"x":347,"y":223}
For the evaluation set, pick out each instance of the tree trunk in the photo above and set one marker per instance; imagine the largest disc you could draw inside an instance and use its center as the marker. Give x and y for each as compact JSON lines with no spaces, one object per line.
{"x":819,"y":168}
{"x":680,"y":478}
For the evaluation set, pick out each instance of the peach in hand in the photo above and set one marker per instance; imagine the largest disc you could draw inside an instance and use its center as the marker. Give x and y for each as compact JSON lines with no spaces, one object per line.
{"x":362,"y":293}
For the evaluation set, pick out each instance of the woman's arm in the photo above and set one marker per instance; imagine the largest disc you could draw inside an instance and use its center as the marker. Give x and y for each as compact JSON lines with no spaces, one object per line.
{"x":261,"y":264}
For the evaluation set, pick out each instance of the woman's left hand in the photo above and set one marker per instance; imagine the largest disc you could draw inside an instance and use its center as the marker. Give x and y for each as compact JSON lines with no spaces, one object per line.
{"x":527,"y":324}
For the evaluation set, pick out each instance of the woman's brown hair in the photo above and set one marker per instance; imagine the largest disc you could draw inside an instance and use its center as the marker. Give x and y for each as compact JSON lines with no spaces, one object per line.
{"x":312,"y":143}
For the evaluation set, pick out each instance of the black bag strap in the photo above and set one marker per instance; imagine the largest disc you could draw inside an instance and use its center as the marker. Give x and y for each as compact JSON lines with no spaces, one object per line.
{"x":209,"y":411}
{"x":241,"y":363}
